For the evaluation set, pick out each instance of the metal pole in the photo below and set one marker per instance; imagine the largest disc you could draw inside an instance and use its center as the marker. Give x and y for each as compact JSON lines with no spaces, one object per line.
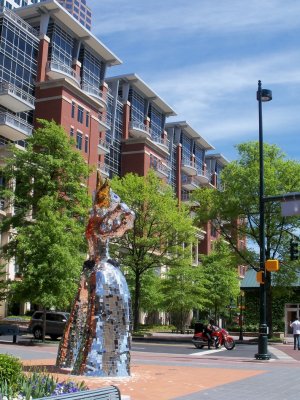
{"x":263,"y":329}
{"x":241,"y":317}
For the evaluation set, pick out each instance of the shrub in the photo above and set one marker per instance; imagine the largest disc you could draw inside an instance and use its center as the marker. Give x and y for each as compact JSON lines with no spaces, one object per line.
{"x":10,"y":370}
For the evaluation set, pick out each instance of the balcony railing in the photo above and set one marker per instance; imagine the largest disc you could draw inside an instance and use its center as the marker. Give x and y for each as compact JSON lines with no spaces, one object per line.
{"x":160,"y":141}
{"x":14,"y":128}
{"x":14,"y":98}
{"x":203,"y":177}
{"x":104,"y":124}
{"x":57,"y":67}
{"x":189,"y":183}
{"x":103,"y":147}
{"x":163,"y":170}
{"x":139,"y":129}
{"x":188,"y":167}
{"x":95,"y":92}
{"x":103,"y":168}
{"x":19,"y":21}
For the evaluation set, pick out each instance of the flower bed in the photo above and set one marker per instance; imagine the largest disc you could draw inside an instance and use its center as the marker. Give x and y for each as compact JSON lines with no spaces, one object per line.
{"x":16,"y":385}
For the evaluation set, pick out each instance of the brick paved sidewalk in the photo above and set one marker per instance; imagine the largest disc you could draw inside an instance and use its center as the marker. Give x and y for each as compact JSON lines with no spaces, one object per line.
{"x":157,"y":382}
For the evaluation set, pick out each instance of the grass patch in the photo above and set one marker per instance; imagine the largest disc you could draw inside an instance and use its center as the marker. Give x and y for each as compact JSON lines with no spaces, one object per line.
{"x":149,"y":329}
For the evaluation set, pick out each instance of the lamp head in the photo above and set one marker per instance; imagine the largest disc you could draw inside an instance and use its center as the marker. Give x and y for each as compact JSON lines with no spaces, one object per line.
{"x":264,"y":95}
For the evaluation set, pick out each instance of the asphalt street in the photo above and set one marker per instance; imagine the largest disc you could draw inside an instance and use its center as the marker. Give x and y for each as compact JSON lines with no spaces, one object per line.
{"x":28,"y":349}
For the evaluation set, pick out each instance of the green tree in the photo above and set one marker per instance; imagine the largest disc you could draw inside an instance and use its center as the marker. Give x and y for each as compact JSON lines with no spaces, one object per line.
{"x":235,"y":210}
{"x":45,"y":184}
{"x":221,"y":280}
{"x":184,"y":290}
{"x":151,"y":296}
{"x":160,"y":228}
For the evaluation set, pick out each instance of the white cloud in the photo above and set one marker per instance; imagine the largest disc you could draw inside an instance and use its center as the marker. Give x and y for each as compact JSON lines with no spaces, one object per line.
{"x":220,"y":99}
{"x":184,"y":16}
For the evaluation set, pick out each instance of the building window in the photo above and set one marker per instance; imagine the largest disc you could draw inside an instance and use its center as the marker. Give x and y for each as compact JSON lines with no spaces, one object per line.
{"x":92,"y":70}
{"x":79,"y":141}
{"x":73,"y":110}
{"x":72,"y":132}
{"x":61,"y":47}
{"x":87,"y":119}
{"x":80,"y":114}
{"x":86,"y":144}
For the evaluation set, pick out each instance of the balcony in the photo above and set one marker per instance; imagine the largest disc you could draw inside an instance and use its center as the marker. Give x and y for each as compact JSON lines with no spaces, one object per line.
{"x":186,"y":198}
{"x":57,"y":70}
{"x":20,"y":23}
{"x":189,"y":183}
{"x":163,"y":143}
{"x":103,"y":147}
{"x":14,"y":98}
{"x":202,"y":177}
{"x":96,"y":93}
{"x":103,"y":168}
{"x":188,"y":167}
{"x":104,"y":125}
{"x":162,"y":170}
{"x":139,"y":130}
{"x":14,"y":128}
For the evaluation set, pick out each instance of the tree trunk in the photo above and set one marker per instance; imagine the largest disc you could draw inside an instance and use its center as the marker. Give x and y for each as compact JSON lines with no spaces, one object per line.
{"x":136,"y":305}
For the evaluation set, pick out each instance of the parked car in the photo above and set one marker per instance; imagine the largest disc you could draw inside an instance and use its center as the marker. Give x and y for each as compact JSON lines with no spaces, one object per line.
{"x":55,"y":324}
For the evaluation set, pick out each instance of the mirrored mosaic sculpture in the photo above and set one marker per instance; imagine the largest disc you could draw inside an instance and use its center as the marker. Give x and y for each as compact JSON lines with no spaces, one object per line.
{"x":97,"y":336}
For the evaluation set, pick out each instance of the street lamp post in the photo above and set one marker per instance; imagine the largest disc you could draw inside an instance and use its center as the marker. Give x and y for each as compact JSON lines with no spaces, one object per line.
{"x":263,"y":95}
{"x":241,"y":303}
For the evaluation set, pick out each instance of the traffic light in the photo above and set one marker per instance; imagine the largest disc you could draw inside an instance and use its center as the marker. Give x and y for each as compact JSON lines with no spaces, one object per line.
{"x":294,"y":251}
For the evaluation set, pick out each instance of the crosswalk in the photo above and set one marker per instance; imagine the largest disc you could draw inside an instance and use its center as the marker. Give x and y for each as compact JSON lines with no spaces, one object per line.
{"x":205,"y":352}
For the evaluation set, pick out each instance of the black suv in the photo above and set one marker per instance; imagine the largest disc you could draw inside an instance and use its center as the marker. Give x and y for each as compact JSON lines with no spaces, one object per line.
{"x":55,"y":324}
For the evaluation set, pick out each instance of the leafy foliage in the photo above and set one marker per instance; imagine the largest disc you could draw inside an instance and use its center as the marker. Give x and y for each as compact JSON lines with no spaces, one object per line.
{"x":51,"y":204}
{"x":235,"y":210}
{"x":239,"y":200}
{"x":15,"y":384}
{"x":183,"y":290}
{"x":221,"y":280}
{"x":159,"y":229}
{"x":10,"y":370}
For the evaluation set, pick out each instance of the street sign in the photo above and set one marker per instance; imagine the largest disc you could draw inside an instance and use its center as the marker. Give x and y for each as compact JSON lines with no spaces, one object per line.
{"x":290,"y":208}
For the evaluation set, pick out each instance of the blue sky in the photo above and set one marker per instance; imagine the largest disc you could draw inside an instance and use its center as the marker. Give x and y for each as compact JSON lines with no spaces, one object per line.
{"x":204,"y":58}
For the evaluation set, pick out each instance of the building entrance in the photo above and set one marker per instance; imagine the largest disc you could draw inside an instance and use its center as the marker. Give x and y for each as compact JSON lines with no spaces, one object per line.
{"x":292,"y":311}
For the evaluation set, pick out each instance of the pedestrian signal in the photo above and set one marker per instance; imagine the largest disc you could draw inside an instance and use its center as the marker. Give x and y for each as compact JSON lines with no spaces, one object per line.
{"x":260,"y":277}
{"x":272,"y":265}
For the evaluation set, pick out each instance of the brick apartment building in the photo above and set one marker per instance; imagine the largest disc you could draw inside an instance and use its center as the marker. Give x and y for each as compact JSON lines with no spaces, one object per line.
{"x":53,"y":67}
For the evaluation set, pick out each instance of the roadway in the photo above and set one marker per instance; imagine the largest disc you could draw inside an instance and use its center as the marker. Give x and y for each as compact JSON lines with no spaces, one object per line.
{"x":27,"y":349}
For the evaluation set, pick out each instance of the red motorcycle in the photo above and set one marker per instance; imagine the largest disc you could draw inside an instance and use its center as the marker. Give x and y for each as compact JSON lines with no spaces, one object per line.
{"x":219,"y":337}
